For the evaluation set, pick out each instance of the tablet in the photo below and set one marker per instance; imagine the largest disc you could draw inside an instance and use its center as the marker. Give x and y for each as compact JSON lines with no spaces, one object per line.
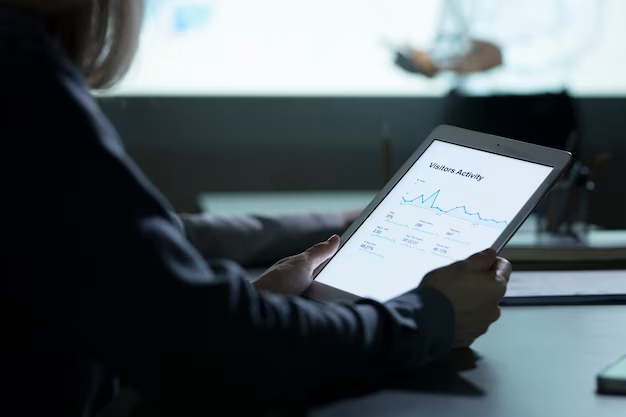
{"x":460,"y":193}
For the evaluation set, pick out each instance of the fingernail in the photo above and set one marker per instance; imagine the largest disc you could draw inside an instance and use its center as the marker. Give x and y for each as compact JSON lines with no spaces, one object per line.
{"x":332,"y":238}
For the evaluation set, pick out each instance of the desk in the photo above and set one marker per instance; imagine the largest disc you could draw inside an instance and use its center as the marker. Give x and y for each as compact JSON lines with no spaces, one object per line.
{"x":536,"y":362}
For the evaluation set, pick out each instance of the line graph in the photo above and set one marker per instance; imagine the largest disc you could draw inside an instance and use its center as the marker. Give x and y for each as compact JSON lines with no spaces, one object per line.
{"x":456,"y":241}
{"x":444,"y":256}
{"x":372,"y":253}
{"x":433,"y":200}
{"x":383,"y":237}
{"x":412,"y":247}
{"x":397,"y":224}
{"x":425,"y":232}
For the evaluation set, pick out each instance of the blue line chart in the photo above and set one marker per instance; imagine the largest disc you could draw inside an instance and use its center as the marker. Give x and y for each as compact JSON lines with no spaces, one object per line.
{"x":443,"y":256}
{"x":398,"y":224}
{"x":421,"y":199}
{"x":372,"y":253}
{"x":456,"y":241}
{"x":384,"y":237}
{"x":426,"y":232}
{"x":414,"y":248}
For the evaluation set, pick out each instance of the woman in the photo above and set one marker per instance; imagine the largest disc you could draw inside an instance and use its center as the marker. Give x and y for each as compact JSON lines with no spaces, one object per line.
{"x":118,"y":291}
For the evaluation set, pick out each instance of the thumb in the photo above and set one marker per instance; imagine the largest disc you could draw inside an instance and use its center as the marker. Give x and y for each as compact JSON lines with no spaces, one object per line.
{"x":482,"y":261}
{"x":320,"y":253}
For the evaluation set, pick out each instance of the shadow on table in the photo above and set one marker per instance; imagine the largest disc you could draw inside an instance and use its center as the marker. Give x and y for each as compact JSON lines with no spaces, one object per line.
{"x":444,"y":377}
{"x":441,"y":377}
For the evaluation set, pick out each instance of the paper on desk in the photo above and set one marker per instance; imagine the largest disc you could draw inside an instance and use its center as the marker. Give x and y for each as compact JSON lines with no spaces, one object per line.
{"x":559,"y":283}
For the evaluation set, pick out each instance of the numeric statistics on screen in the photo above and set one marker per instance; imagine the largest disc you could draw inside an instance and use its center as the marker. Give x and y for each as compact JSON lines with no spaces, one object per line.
{"x":421,"y":226}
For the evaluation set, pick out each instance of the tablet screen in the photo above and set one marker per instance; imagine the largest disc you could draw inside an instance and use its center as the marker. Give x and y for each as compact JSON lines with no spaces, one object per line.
{"x":453,"y":202}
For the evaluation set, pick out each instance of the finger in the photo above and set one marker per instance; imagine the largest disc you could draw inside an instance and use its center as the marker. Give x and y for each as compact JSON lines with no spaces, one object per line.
{"x":473,"y":332}
{"x":286,"y":260}
{"x":482,"y":261}
{"x":321,"y":252}
{"x":497,"y":288}
{"x":495,"y":314}
{"x":465,"y":339}
{"x":492,"y":285}
{"x":487,"y":312}
{"x":504,"y":269}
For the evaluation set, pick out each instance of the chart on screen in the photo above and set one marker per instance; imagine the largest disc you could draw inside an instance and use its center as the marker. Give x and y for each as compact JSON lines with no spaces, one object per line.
{"x":422,"y":225}
{"x":453,"y":202}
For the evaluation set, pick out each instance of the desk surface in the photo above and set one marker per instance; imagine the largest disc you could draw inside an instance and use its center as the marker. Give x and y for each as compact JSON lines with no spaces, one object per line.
{"x":535,"y":362}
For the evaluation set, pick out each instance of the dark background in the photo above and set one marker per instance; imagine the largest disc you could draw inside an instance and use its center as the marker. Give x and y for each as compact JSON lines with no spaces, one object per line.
{"x":187,"y":145}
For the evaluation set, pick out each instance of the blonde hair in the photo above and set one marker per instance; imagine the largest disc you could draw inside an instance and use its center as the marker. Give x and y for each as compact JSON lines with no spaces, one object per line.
{"x":99,"y":36}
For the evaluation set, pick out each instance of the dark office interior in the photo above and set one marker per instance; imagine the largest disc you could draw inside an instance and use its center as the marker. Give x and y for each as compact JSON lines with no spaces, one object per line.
{"x":302,"y":207}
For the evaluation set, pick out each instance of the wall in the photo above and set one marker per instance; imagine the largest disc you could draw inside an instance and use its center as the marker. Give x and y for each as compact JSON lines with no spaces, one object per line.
{"x":193,"y":144}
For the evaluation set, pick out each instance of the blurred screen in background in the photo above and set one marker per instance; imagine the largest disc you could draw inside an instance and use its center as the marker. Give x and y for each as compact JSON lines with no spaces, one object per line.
{"x":346,"y":47}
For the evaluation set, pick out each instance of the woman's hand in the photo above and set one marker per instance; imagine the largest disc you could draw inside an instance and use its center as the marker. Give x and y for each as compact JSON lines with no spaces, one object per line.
{"x":293,"y":275}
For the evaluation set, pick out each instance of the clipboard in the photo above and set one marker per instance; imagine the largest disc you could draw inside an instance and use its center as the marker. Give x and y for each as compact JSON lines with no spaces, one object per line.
{"x":566,"y":288}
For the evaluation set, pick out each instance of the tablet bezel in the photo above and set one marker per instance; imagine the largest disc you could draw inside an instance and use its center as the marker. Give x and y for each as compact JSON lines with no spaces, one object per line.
{"x":555,"y":158}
